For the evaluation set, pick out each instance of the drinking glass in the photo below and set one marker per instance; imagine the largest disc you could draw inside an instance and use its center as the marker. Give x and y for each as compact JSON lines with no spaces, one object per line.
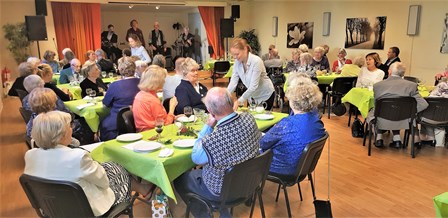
{"x":240,"y":105}
{"x":92,"y":95}
{"x":159,"y":127}
{"x":88,"y":90}
{"x":81,"y":78}
{"x":188,"y":111}
{"x":103,"y":74}
{"x":252,"y":105}
{"x":111,"y":75}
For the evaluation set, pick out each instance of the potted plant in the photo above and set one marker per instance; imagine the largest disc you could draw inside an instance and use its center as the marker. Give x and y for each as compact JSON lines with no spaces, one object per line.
{"x":19,"y":45}
{"x":252,"y":40}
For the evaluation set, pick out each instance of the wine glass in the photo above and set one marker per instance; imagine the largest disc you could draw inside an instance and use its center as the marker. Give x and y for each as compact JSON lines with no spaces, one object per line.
{"x":88,"y":90}
{"x":111,"y":75}
{"x":103,"y":74}
{"x":188,"y":111}
{"x":92,"y":95}
{"x":159,"y":126}
{"x":81,"y":78}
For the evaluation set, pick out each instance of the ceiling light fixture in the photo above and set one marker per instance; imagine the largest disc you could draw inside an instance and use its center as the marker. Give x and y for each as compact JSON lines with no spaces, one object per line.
{"x":157,"y":7}
{"x":131,"y":6}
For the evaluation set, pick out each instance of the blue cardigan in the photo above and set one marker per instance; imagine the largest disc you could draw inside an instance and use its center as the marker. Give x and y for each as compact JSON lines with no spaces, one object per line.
{"x":187,"y":96}
{"x":288,"y":138}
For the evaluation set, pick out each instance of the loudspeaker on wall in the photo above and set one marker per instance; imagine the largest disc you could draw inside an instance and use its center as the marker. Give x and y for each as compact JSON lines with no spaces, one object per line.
{"x":326,"y":24}
{"x":235,"y":11}
{"x":36,"y":27}
{"x":41,"y":7}
{"x":226,"y":28}
{"x":274,"y":26}
{"x":413,"y":19}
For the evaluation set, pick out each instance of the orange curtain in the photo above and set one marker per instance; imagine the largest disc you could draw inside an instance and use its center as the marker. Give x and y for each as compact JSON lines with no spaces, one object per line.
{"x":77,"y":26}
{"x":211,"y":17}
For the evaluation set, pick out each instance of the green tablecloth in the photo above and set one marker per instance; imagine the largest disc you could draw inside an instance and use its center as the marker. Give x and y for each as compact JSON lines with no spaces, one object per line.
{"x":75,"y":90}
{"x":55,"y":79}
{"x":364,"y":99}
{"x":92,"y":114}
{"x":441,"y":205}
{"x":160,"y":171}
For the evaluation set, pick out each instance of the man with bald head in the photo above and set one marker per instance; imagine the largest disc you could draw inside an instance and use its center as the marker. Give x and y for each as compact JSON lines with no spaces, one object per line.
{"x":157,"y":41}
{"x":171,"y":82}
{"x":66,"y":74}
{"x":226,"y":140}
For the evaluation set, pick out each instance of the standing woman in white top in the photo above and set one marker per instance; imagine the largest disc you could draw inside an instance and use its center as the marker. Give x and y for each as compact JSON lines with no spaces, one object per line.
{"x":250,"y":69}
{"x":137,"y":49}
{"x":371,"y":74}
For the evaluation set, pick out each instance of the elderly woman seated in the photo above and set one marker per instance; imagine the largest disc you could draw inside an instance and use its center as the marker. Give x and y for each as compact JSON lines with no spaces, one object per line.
{"x":49,"y":59}
{"x":341,"y":61}
{"x":306,"y":59}
{"x":120,"y":94}
{"x":320,"y":62}
{"x":371,"y":74}
{"x":294,"y":64}
{"x":159,"y":60}
{"x":140,"y":67}
{"x":289,"y":137}
{"x":34,"y":81}
{"x":190,"y":92}
{"x":92,"y":82}
{"x":105,"y":185}
{"x":25,"y":69}
{"x":147,"y":107}
{"x":47,"y":75}
{"x":353,"y":69}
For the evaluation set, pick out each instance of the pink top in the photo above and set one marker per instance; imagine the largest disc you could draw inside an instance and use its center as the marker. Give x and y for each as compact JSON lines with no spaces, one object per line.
{"x":146,"y":108}
{"x":444,"y":74}
{"x":337,"y":68}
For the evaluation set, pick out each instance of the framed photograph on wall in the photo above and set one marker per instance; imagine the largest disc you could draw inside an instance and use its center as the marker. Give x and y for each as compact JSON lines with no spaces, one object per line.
{"x":365,"y":33}
{"x":444,"y":44}
{"x":300,"y":33}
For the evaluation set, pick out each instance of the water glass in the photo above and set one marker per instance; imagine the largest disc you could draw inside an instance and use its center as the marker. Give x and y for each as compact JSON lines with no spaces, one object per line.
{"x":81,"y":78}
{"x":111,"y":75}
{"x":103,"y":74}
{"x":188,"y":111}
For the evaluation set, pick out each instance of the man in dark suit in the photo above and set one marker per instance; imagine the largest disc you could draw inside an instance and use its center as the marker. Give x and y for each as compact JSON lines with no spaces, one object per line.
{"x":392,"y":57}
{"x":157,"y":40}
{"x":109,"y":44}
{"x":393,"y":87}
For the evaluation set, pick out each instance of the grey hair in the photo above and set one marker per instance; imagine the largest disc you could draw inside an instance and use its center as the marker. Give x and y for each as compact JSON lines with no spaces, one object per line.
{"x":159,"y":60}
{"x":188,"y":65}
{"x":140,"y":63}
{"x":126,"y":66}
{"x":87,"y":67}
{"x":319,"y":49}
{"x":33,"y":81}
{"x":100,"y":53}
{"x":359,"y":61}
{"x":26,"y":69}
{"x":307,"y":57}
{"x":304,"y":95}
{"x":296,"y":52}
{"x":33,"y":60}
{"x":49,"y":128}
{"x":398,"y":69}
{"x":303,"y":48}
{"x":218,"y":101}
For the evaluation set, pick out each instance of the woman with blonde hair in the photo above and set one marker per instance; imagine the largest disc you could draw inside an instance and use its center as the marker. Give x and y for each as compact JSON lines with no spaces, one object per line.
{"x":92,"y":81}
{"x":320,"y":62}
{"x":47,"y":75}
{"x":306,"y":59}
{"x":119,"y":94}
{"x":104,"y":185}
{"x":147,"y":106}
{"x":289,"y":137}
{"x":190,"y":91}
{"x":341,"y":61}
{"x":371,"y":74}
{"x":294,"y":64}
{"x":90,"y":57}
{"x":137,"y":49}
{"x":49,"y":59}
{"x":250,"y":69}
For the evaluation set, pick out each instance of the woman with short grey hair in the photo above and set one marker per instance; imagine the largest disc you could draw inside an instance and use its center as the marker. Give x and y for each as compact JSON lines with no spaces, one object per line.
{"x":104,"y":185}
{"x":320,"y":62}
{"x":93,"y":80}
{"x":25,"y":69}
{"x":159,"y":60}
{"x":140,"y":67}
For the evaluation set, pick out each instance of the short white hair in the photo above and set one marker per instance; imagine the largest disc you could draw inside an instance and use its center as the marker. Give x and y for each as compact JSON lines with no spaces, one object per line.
{"x":140,"y":63}
{"x":398,"y":69}
{"x":49,"y":128}
{"x":66,"y":50}
{"x":33,"y":81}
{"x":33,"y":60}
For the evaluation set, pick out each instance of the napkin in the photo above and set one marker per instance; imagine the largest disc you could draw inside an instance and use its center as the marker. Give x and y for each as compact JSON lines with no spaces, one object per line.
{"x":130,"y":146}
{"x":166,"y":152}
{"x":91,"y":147}
{"x":80,"y":107}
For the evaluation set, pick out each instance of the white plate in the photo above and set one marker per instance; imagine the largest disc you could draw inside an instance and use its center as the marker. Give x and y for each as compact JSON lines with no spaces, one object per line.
{"x":129,"y":137}
{"x":264,"y":116}
{"x":186,"y":119}
{"x":184,"y":143}
{"x":145,"y":146}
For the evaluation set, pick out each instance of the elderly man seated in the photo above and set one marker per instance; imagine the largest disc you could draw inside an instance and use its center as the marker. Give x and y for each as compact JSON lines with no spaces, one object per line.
{"x":70,"y":73}
{"x":393,"y":87}
{"x":275,"y":61}
{"x":234,"y":140}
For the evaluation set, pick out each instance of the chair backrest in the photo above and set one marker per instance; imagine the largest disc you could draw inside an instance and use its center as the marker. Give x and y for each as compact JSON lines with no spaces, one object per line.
{"x":243,"y":179}
{"x":51,"y":198}
{"x":437,"y":110}
{"x":221,"y":66}
{"x":396,"y":109}
{"x":125,"y":121}
{"x":412,"y":79}
{"x":342,"y":85}
{"x":309,"y":157}
{"x":166,"y":104}
{"x":21,"y":93}
{"x":274,"y":70}
{"x":26,"y":114}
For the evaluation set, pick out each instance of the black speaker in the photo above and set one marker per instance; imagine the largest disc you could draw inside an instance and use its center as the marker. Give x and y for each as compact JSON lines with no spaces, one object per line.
{"x":226,"y":28}
{"x":235,"y":11}
{"x":41,"y":7}
{"x":36,"y":27}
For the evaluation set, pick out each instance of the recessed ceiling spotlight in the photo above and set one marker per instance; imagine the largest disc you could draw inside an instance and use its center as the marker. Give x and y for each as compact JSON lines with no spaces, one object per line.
{"x":157,"y":7}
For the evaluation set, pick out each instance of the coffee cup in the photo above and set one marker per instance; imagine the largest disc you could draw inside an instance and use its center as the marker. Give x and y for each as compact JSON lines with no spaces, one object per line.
{"x":259,"y":109}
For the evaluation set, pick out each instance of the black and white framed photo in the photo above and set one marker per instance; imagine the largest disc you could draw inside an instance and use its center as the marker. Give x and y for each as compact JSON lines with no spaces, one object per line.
{"x":365,"y":33}
{"x":300,"y":33}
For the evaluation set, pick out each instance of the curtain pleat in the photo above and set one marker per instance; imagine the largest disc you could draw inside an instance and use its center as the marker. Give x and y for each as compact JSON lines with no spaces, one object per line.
{"x":211,"y":17}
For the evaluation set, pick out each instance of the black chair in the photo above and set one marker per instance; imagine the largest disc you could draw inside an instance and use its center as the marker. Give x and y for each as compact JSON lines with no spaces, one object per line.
{"x":166,"y":104}
{"x":21,"y":93}
{"x":307,"y":163}
{"x":412,"y":79}
{"x":242,"y":182}
{"x":125,"y":121}
{"x":278,"y":80}
{"x":395,"y":109}
{"x":26,"y":114}
{"x":435,"y":115}
{"x":341,"y":86}
{"x":54,"y":198}
{"x":220,"y":68}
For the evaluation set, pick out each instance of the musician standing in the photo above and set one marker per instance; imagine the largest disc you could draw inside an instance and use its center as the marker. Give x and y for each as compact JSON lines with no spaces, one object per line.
{"x":187,"y":43}
{"x":109,"y":44}
{"x":157,"y":41}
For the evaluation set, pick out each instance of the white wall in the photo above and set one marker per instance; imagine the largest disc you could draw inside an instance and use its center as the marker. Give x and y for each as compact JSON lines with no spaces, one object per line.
{"x":420,"y":53}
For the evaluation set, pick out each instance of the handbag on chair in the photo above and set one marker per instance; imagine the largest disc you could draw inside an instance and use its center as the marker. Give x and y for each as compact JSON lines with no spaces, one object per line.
{"x":323,"y":207}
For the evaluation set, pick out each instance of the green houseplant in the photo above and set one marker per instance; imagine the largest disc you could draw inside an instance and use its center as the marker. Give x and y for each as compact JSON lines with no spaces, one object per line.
{"x":252,"y":40}
{"x":19,"y":45}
